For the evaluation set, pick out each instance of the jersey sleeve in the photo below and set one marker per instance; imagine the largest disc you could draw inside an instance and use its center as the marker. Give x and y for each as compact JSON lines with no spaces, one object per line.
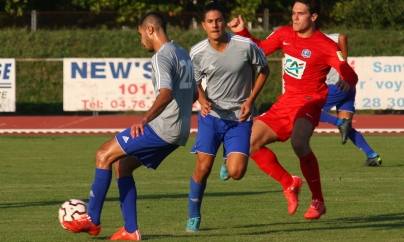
{"x":337,"y":60}
{"x":269,"y":45}
{"x":258,"y":59}
{"x":197,"y":70}
{"x":163,"y":67}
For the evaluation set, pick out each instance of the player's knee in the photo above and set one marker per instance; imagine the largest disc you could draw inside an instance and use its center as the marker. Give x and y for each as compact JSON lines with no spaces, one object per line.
{"x":101,"y":158}
{"x":202,"y":173}
{"x":300,"y":146}
{"x":254,"y":147}
{"x":237,"y":175}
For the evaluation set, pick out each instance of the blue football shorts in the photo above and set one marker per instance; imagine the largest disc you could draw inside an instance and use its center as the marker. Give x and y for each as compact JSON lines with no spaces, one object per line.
{"x":342,"y":101}
{"x":149,"y":148}
{"x":212,"y":132}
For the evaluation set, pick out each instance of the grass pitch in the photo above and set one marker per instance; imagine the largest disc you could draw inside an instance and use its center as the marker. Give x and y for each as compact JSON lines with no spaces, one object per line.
{"x":363,"y":203}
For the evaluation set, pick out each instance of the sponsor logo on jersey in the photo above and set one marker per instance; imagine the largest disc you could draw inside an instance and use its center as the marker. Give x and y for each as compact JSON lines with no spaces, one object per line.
{"x":285,"y":43}
{"x":306,"y":53}
{"x":340,"y":56}
{"x":294,"y":67}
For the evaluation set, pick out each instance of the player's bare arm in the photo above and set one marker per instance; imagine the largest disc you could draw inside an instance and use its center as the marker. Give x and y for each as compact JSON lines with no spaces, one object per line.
{"x":259,"y":84}
{"x":343,"y":45}
{"x":237,"y":24}
{"x":162,"y":100}
{"x":206,"y":106}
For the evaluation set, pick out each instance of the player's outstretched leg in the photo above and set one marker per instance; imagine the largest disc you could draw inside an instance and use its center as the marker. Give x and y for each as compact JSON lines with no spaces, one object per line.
{"x":268,"y":163}
{"x":373,"y":159}
{"x":344,"y":129}
{"x":91,"y":223}
{"x":224,"y":173}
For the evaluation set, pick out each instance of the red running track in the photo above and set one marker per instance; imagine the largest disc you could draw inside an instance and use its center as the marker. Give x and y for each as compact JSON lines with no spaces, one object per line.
{"x":108,"y":125}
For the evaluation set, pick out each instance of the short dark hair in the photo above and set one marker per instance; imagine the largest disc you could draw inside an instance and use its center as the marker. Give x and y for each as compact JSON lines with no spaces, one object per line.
{"x":213,"y":5}
{"x":313,"y":5}
{"x":154,"y":18}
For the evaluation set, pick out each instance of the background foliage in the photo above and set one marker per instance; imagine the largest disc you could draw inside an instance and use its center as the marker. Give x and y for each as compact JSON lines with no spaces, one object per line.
{"x":359,"y":14}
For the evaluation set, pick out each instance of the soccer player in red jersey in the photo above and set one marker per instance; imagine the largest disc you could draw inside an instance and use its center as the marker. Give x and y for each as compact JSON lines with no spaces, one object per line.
{"x":309,"y":54}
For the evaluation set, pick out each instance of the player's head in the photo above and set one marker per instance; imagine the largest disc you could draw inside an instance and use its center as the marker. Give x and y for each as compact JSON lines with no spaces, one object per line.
{"x":314,"y":6}
{"x":149,"y":25}
{"x":214,"y":20}
{"x":304,"y":14}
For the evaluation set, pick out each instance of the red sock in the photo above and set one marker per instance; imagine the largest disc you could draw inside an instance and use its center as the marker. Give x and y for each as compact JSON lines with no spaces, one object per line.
{"x":311,"y":172}
{"x":268,"y":163}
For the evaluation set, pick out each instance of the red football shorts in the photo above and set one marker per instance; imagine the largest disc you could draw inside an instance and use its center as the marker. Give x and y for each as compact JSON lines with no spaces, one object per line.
{"x":282,"y":115}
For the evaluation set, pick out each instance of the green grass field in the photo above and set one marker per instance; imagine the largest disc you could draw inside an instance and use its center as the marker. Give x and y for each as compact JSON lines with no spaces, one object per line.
{"x":363,"y":203}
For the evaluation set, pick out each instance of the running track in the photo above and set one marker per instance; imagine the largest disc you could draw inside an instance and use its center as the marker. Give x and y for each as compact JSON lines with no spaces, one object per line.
{"x":111,"y":125}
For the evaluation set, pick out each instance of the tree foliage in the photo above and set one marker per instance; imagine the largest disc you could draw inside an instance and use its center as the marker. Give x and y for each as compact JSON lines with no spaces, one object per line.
{"x":351,"y":13}
{"x":370,"y":14}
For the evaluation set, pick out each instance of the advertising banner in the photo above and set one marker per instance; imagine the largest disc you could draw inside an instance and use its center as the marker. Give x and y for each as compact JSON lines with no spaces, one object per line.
{"x":109,"y":84}
{"x":7,"y":85}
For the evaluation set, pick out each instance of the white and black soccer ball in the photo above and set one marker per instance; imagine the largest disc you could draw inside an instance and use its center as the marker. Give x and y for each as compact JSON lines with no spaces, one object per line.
{"x":71,"y":210}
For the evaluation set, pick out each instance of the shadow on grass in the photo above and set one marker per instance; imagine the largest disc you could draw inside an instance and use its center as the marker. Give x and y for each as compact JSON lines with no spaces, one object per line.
{"x":379,"y":222}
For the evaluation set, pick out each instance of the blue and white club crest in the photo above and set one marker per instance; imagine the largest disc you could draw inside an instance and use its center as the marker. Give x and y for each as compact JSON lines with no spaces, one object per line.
{"x":306,"y":53}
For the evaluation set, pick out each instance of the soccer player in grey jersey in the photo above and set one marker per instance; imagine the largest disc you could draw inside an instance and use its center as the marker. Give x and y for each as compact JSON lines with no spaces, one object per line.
{"x":344,"y":103}
{"x":228,"y":63}
{"x":164,"y":127}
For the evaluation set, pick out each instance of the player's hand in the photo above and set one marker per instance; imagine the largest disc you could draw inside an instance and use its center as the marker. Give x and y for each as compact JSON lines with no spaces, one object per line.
{"x":237,"y":24}
{"x":137,"y":129}
{"x":245,"y":111}
{"x":343,"y":85}
{"x":205,"y":108}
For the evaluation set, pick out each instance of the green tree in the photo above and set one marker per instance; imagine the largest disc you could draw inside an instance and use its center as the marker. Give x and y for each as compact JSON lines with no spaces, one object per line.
{"x":370,"y":14}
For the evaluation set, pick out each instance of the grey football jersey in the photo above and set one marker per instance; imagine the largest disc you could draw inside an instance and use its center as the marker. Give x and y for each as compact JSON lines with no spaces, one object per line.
{"x":333,"y":76}
{"x":229,"y":75}
{"x":172,"y":68}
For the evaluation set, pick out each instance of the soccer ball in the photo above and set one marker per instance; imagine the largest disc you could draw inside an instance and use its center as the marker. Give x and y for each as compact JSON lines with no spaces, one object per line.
{"x":71,"y":210}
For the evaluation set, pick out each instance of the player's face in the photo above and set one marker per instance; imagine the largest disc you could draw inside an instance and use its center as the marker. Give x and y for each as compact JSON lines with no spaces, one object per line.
{"x":145,"y":39}
{"x":214,"y":25}
{"x":302,"y":19}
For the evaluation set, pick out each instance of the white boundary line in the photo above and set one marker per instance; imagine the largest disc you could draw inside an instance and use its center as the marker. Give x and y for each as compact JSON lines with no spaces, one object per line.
{"x":115,"y":130}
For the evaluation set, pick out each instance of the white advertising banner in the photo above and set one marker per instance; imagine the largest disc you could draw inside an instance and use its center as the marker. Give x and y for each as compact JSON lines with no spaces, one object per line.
{"x":380,"y":82}
{"x":7,"y":85}
{"x":109,"y":84}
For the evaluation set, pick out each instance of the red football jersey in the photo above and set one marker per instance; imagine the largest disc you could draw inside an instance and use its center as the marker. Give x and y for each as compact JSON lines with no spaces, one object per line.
{"x":307,"y":60}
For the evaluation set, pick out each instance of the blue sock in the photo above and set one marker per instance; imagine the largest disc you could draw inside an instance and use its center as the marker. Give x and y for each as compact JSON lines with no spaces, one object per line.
{"x":127,"y":197}
{"x":328,"y":118}
{"x":98,"y":193}
{"x":195,"y":198}
{"x":360,"y":142}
